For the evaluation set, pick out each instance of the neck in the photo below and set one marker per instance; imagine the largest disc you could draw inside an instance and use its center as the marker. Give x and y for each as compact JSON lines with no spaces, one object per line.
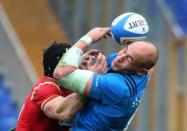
{"x":129,"y":71}
{"x":125,"y":71}
{"x":141,"y":73}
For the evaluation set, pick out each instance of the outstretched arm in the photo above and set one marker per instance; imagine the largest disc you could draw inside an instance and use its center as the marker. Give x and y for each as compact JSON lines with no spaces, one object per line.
{"x":67,"y":72}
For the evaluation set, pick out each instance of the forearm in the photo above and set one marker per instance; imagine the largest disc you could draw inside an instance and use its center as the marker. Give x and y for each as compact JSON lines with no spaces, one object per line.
{"x":81,"y":44}
{"x":66,"y":71}
{"x":72,"y":57}
{"x":71,"y":60}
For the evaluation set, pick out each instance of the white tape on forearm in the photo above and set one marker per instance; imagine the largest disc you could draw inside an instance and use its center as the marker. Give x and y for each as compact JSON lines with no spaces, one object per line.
{"x":87,"y":39}
{"x":71,"y":57}
{"x":76,"y":81}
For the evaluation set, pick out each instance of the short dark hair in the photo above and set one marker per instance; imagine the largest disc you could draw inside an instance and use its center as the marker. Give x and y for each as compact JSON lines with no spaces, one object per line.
{"x":52,"y":55}
{"x":150,"y":61}
{"x":148,"y":64}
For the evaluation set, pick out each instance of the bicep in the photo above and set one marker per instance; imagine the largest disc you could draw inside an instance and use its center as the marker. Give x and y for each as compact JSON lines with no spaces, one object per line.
{"x":64,"y":108}
{"x":50,"y":107}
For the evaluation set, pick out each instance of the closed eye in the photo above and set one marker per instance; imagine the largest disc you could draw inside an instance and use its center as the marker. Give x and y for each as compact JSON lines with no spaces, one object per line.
{"x":129,"y":58}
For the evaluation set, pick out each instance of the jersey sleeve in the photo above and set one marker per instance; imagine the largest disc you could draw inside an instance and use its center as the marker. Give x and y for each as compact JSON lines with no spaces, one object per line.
{"x":108,"y":88}
{"x":44,"y":93}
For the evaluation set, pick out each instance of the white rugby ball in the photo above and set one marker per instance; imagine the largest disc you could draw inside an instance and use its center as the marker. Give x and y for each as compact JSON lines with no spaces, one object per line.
{"x":129,"y":26}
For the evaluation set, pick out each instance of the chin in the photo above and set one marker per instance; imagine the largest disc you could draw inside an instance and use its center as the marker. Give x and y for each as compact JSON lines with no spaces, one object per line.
{"x":115,"y":68}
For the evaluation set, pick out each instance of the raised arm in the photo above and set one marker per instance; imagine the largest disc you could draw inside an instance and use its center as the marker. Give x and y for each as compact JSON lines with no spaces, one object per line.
{"x":67,"y":72}
{"x":65,"y":108}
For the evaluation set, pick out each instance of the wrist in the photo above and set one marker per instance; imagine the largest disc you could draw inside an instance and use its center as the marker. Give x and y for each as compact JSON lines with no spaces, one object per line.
{"x":87,"y":39}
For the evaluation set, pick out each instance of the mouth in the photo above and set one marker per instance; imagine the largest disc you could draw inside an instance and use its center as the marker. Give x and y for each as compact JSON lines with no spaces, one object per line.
{"x":118,"y":61}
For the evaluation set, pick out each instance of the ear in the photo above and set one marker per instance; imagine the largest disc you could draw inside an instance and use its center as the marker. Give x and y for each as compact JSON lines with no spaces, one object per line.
{"x":150,"y":71}
{"x":142,"y":71}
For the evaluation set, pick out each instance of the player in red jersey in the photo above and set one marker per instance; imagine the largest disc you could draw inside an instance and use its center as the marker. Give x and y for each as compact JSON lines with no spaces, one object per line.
{"x":49,"y":107}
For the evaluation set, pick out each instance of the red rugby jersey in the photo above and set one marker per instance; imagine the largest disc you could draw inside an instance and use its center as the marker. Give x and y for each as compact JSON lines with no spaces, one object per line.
{"x":31,"y":116}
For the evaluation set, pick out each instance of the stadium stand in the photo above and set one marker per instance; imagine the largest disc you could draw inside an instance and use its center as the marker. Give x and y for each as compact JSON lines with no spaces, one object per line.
{"x":15,"y":45}
{"x":12,"y":85}
{"x":9,"y":108}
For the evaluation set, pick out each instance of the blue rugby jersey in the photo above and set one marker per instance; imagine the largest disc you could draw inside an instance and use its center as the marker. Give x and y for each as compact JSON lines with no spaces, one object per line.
{"x":113,"y":100}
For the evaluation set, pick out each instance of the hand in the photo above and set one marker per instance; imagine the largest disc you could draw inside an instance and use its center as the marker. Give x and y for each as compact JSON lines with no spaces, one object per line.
{"x":100,"y":66}
{"x":98,"y":33}
{"x":92,"y":54}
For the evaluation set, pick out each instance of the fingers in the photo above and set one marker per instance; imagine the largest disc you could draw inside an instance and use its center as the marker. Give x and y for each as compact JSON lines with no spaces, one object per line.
{"x":99,"y":59}
{"x":106,"y":32}
{"x":100,"y":65}
{"x":103,"y":65}
{"x":94,"y":52}
{"x":109,"y":33}
{"x":98,"y":33}
{"x":86,"y":61}
{"x":103,"y":61}
{"x":88,"y":58}
{"x":105,"y":69}
{"x":90,"y":62}
{"x":84,"y":58}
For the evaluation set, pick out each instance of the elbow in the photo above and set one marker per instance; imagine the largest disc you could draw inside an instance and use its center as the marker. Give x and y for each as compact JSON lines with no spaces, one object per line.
{"x":62,"y":71}
{"x":57,"y":73}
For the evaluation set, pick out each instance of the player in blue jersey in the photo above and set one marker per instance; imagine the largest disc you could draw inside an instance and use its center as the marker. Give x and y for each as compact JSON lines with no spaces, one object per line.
{"x":112,"y":97}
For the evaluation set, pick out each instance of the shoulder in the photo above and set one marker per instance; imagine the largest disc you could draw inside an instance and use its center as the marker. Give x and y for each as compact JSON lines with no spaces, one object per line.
{"x":114,"y":82}
{"x":44,"y":90}
{"x":108,"y":77}
{"x":46,"y":86}
{"x":136,"y":83}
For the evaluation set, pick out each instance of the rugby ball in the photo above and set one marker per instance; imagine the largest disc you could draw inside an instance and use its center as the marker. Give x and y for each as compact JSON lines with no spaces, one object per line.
{"x":129,"y":26}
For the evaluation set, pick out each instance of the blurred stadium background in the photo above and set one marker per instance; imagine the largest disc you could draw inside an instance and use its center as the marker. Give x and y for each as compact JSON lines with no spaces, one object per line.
{"x":28,"y":26}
